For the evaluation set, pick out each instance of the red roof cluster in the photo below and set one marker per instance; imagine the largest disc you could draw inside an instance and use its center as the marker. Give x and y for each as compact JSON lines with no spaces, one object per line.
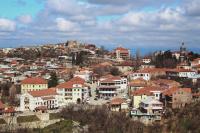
{"x":180,"y":70}
{"x":112,"y":79}
{"x":117,"y":101}
{"x":146,"y":91}
{"x":40,"y":93}
{"x":121,"y":49}
{"x":34,"y":80}
{"x":70,"y":83}
{"x":170,"y":91}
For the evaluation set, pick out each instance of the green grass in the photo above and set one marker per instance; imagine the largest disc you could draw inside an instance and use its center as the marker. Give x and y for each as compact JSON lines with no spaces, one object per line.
{"x":53,"y":116}
{"x":30,"y":118}
{"x":64,"y":126}
{"x":2,"y":121}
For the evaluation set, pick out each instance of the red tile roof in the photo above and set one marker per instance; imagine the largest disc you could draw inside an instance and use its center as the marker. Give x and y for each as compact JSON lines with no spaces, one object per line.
{"x":40,"y":93}
{"x":170,"y":91}
{"x":146,"y":91}
{"x":180,"y":70}
{"x":117,"y":101}
{"x":34,"y":80}
{"x":9,"y":110}
{"x":122,"y":50}
{"x":138,"y":82}
{"x":196,"y":94}
{"x":112,"y":78}
{"x":69,"y":84}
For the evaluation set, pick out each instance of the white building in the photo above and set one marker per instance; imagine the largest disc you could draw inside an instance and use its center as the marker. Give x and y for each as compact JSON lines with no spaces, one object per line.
{"x":84,"y":74}
{"x":73,"y":91}
{"x":151,"y":105}
{"x":140,"y":75}
{"x":119,"y":82}
{"x":122,"y":53}
{"x":181,"y":73}
{"x":146,"y":60}
{"x":42,"y":99}
{"x":33,"y":84}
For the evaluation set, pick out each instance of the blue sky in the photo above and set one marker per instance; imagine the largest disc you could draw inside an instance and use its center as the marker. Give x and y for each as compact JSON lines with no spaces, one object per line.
{"x":14,"y":8}
{"x":143,"y":24}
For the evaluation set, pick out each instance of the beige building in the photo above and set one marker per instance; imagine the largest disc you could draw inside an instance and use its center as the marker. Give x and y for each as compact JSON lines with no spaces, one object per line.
{"x":181,"y":97}
{"x":33,"y":84}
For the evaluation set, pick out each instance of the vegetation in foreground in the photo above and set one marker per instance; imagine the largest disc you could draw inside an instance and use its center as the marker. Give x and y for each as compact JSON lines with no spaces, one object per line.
{"x":31,"y":118}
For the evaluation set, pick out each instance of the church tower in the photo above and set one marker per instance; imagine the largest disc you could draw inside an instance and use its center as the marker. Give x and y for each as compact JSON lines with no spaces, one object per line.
{"x":183,"y":52}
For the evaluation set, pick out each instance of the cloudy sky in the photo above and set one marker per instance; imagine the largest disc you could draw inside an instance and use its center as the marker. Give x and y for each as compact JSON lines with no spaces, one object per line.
{"x":143,"y":24}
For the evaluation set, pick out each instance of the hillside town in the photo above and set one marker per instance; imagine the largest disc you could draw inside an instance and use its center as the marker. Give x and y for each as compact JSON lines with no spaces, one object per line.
{"x":43,"y":80}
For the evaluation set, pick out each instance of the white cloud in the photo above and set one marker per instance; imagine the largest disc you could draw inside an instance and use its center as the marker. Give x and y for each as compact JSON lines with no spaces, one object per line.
{"x":65,"y":25}
{"x":25,"y":19}
{"x":64,"y":6}
{"x":7,"y":25}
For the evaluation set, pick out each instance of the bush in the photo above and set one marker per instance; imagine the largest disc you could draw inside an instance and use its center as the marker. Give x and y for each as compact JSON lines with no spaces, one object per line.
{"x":30,"y":118}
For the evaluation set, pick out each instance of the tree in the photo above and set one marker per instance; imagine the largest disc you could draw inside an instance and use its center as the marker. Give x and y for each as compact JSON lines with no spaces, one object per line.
{"x":12,"y":93}
{"x":115,"y":71}
{"x":53,"y":80}
{"x":165,"y":60}
{"x":137,"y":60}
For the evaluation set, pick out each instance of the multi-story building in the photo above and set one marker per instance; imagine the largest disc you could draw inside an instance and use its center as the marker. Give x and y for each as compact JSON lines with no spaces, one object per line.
{"x":138,"y":95}
{"x":33,"y":84}
{"x":140,"y":74}
{"x":177,"y":97}
{"x":84,"y":74}
{"x":119,"y":82}
{"x":181,"y":73}
{"x":73,"y":91}
{"x":41,"y":99}
{"x":122,"y":53}
{"x":151,"y":105}
{"x":109,"y":86}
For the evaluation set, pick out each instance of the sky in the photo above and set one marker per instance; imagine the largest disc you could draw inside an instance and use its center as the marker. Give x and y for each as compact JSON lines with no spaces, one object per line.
{"x":136,"y":24}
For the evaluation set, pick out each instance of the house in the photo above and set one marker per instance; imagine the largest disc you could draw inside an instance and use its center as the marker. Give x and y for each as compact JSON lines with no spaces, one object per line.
{"x":149,"y":91}
{"x":165,"y":83}
{"x":84,"y":74}
{"x":181,"y":73}
{"x":150,"y":105}
{"x":177,"y":97}
{"x":184,"y":65}
{"x":122,"y":53}
{"x":136,"y":85}
{"x":33,"y":84}
{"x":195,"y":62}
{"x":149,"y":111}
{"x":181,"y":97}
{"x":40,"y":100}
{"x":125,"y":66}
{"x":147,"y":66}
{"x":118,"y":104}
{"x":120,"y":83}
{"x":139,"y":74}
{"x":73,"y":91}
{"x":106,"y":91}
{"x":146,"y":118}
{"x":146,"y":60}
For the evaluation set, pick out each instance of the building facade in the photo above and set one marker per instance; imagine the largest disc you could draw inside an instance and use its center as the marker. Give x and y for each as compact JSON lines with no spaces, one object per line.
{"x":33,"y":84}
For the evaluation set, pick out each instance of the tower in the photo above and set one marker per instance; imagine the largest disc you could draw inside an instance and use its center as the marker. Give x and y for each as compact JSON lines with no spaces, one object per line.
{"x":183,"y":52}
